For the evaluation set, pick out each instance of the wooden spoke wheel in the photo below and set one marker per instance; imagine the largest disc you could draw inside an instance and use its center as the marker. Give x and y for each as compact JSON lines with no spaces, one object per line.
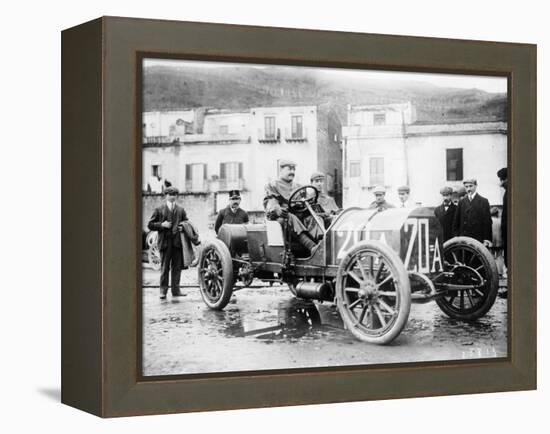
{"x":215,"y":271}
{"x":474,"y":268}
{"x":373,"y":292}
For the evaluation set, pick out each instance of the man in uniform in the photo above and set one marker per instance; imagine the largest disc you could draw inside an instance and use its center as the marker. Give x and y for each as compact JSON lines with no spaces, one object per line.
{"x":445,"y":213}
{"x":277,"y":194}
{"x":380,"y":202}
{"x":166,"y":221}
{"x":503,"y":177}
{"x":232,"y":213}
{"x":404,"y":197}
{"x":473,"y":215}
{"x":327,"y":203}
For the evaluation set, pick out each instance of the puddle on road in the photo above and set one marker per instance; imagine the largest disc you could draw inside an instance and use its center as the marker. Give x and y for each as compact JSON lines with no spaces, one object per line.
{"x":290,"y":320}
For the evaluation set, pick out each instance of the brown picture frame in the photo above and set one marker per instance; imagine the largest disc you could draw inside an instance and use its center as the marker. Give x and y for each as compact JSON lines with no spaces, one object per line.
{"x":101,"y":212}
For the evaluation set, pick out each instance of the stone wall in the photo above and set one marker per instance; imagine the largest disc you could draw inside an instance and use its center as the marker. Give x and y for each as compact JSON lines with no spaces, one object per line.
{"x":199,"y":209}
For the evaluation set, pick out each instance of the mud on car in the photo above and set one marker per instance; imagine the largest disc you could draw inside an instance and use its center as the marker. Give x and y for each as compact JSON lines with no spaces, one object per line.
{"x":372,"y":264}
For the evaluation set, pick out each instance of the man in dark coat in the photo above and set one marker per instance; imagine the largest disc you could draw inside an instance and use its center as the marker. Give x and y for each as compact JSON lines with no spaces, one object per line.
{"x":232,"y":213}
{"x":166,"y":221}
{"x":473,"y":215}
{"x":503,"y":176}
{"x":445,"y":213}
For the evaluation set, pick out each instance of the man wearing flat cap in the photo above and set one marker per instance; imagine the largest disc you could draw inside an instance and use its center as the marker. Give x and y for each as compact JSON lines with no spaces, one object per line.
{"x":277,"y":195}
{"x":473,"y":215}
{"x":458,"y":193}
{"x":166,"y":221}
{"x":380,"y":202}
{"x":232,"y":214}
{"x":445,"y":213}
{"x":405,"y":201}
{"x":503,"y":177}
{"x":327,"y":203}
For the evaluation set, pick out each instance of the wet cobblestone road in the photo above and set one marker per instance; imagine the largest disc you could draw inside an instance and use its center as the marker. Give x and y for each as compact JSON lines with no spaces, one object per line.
{"x":267,"y":328}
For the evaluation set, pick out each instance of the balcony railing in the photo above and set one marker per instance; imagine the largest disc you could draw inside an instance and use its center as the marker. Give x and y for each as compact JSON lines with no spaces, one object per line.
{"x":296,"y":139}
{"x":196,"y":186}
{"x":241,"y":137}
{"x":197,"y":139}
{"x":156,"y":140}
{"x":226,"y":184}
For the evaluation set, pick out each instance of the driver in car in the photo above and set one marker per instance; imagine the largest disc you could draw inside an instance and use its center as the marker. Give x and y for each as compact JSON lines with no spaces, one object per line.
{"x":277,"y":194}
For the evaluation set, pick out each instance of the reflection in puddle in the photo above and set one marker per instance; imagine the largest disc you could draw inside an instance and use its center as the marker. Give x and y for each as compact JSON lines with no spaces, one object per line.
{"x":294,"y":319}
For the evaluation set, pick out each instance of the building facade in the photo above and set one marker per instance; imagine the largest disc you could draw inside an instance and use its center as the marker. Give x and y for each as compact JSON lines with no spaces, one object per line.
{"x":384,"y":145}
{"x":213,"y":151}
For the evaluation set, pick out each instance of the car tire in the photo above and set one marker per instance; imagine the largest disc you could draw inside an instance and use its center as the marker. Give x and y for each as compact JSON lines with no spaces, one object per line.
{"x":215,"y":274}
{"x":476,"y":258}
{"x":372,"y":283}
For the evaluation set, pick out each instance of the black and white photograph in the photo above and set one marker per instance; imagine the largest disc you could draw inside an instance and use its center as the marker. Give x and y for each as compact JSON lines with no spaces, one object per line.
{"x":276,"y":218}
{"x":299,"y":217}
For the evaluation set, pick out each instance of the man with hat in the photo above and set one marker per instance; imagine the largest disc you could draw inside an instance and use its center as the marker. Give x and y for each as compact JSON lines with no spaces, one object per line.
{"x":232,"y":213}
{"x":166,"y":221}
{"x":380,"y":202}
{"x":403,"y":193}
{"x":445,"y":213}
{"x":473,"y":215}
{"x":503,"y":177}
{"x":277,"y":195}
{"x":327,"y":203}
{"x":458,"y":193}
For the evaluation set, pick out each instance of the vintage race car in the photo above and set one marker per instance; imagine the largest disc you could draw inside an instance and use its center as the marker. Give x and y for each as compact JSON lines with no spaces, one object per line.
{"x":372,"y":264}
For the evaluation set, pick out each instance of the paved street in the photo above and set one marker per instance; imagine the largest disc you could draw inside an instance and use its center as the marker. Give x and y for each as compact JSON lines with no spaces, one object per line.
{"x":267,"y":328}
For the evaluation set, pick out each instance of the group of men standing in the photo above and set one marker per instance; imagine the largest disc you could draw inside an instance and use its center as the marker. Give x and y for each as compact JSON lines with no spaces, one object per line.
{"x":470,"y":215}
{"x":462,"y":213}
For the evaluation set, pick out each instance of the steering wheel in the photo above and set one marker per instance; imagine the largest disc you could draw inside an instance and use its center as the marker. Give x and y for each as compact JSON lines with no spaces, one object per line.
{"x":298,"y":199}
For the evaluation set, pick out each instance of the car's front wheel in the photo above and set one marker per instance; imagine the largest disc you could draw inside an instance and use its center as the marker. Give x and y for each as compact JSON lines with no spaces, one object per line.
{"x":373,"y":292}
{"x":215,"y":271}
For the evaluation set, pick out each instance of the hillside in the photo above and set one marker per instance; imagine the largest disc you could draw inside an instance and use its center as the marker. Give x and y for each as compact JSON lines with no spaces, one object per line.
{"x":172,"y":88}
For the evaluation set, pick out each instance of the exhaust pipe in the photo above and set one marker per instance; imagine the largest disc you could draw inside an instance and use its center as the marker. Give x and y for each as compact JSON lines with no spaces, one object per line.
{"x":315,"y":291}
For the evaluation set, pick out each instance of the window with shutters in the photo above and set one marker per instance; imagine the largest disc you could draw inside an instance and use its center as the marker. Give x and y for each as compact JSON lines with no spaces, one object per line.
{"x":354,"y":169}
{"x":376,"y":171}
{"x":231,"y":175}
{"x":156,"y":170}
{"x":379,"y":119}
{"x":297,"y":127}
{"x":454,"y":164}
{"x":269,"y":128}
{"x":196,"y":177}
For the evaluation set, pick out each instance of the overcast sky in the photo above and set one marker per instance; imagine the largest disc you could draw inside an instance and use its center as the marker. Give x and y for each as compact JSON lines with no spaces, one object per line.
{"x":486,"y":83}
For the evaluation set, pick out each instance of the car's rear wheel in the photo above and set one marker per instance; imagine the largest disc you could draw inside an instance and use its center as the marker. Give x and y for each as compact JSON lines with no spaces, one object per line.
{"x":215,"y":271}
{"x":474,"y":268}
{"x":373,"y":292}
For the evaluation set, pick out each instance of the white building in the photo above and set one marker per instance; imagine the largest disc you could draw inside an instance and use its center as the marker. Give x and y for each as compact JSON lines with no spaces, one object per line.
{"x":383,"y":145}
{"x":158,"y":125}
{"x":241,"y":149}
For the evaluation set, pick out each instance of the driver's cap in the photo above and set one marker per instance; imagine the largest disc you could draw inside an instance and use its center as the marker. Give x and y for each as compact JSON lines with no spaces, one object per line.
{"x":316,"y":175}
{"x":379,"y":189}
{"x":283,"y":163}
